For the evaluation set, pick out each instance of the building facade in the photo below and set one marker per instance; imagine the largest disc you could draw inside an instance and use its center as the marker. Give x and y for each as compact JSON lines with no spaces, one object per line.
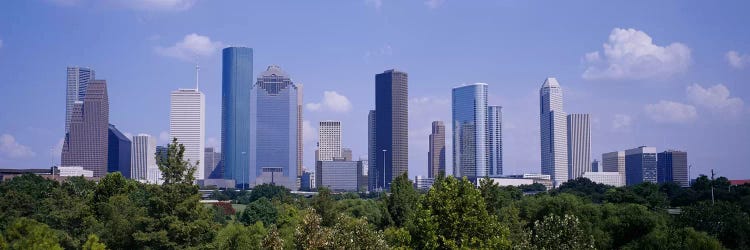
{"x":119,"y":152}
{"x":86,"y":143}
{"x":337,"y":175}
{"x":469,"y":114}
{"x":236,"y":81}
{"x":606,"y":178}
{"x":614,"y":162}
{"x":392,"y":126}
{"x":273,"y":129}
{"x":144,"y":156}
{"x":640,"y":165}
{"x":423,"y":183}
{"x":579,"y":145}
{"x":672,"y":166}
{"x":553,"y":129}
{"x":74,"y":171}
{"x":346,"y":153}
{"x":495,"y":139}
{"x":371,"y":153}
{"x":78,"y":79}
{"x":187,"y":123}
{"x":595,"y":166}
{"x":436,"y":150}
{"x":329,"y":140}
{"x":211,"y":162}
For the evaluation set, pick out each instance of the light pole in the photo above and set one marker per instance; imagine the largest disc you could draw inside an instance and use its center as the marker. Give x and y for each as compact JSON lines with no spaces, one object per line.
{"x":384,"y":150}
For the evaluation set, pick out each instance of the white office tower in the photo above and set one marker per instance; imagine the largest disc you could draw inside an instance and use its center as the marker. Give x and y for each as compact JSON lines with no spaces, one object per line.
{"x":614,"y":162}
{"x":154,"y":176}
{"x":187,"y":124}
{"x":553,"y":129}
{"x":579,"y":145}
{"x":329,"y":140}
{"x":143,"y":156}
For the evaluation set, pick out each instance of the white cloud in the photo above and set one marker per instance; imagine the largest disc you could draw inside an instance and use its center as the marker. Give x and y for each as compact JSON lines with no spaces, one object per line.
{"x":332,"y":101}
{"x":10,"y":148}
{"x":631,"y":54}
{"x":434,"y":4}
{"x":56,"y":150}
{"x":309,"y":133}
{"x":191,"y":47}
{"x":736,"y":60}
{"x":164,"y":138}
{"x":622,"y":121}
{"x":716,"y":98}
{"x":671,"y":112}
{"x":155,"y":5}
{"x":375,"y":3}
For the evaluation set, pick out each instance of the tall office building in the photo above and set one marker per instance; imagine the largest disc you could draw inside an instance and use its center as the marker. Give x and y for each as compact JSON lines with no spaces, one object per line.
{"x":211,"y":161}
{"x":579,"y":145}
{"x":553,"y":129}
{"x":78,"y":79}
{"x":436,"y":150}
{"x":371,"y":152}
{"x":672,"y":166}
{"x":470,"y":154}
{"x":236,"y":81}
{"x":273,"y":129}
{"x":329,"y":140}
{"x":614,"y":162}
{"x":640,"y":165}
{"x":392,"y":125}
{"x":144,"y":156}
{"x":346,"y":153}
{"x":595,"y":166}
{"x":118,"y":152}
{"x":300,"y":140}
{"x":187,"y":124}
{"x":495,"y":139}
{"x":86,"y":143}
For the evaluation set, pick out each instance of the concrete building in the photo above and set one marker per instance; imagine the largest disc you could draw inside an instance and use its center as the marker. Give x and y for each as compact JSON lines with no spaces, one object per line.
{"x":187,"y":123}
{"x":495,"y":140}
{"x":363,"y":177}
{"x":119,"y":152}
{"x":337,"y":175}
{"x":469,"y":113}
{"x":672,"y":166}
{"x":640,"y":165}
{"x":144,"y":156}
{"x":554,"y":135}
{"x":606,"y":178}
{"x":436,"y":150}
{"x":74,"y":171}
{"x":86,"y":144}
{"x":346,"y":153}
{"x":579,"y":145}
{"x":329,"y":140}
{"x":524,"y":179}
{"x":392,"y":126}
{"x":614,"y":162}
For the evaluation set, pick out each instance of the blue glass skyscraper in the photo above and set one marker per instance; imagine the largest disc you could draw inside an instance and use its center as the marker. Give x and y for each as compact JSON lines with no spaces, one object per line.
{"x":470,"y":149}
{"x":119,"y":150}
{"x":273,"y":129}
{"x":391,"y":126}
{"x":237,"y":79}
{"x":640,"y":165}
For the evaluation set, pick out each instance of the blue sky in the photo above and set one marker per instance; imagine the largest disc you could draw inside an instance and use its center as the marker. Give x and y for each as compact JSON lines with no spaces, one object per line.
{"x":669,"y":74}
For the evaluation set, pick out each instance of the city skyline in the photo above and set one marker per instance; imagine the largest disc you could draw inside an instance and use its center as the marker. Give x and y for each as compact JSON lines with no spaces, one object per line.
{"x":705,"y":94}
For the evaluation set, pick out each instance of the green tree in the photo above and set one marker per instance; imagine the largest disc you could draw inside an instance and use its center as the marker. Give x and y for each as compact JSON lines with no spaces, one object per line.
{"x":310,"y":234}
{"x":174,"y":168}
{"x":724,"y":220}
{"x":629,"y":222}
{"x":26,"y":233}
{"x":351,"y":233}
{"x":237,"y":236}
{"x":270,"y":192}
{"x":92,"y":243}
{"x":555,"y":232}
{"x":260,"y":210}
{"x":324,"y":205}
{"x":397,"y":238}
{"x":403,"y":200}
{"x":675,"y":239}
{"x":273,"y":240}
{"x":122,"y":219}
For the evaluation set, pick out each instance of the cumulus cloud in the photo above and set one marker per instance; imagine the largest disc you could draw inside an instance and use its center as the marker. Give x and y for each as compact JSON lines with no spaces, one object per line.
{"x":632,"y":54}
{"x":332,"y":101}
{"x":671,"y":112}
{"x":10,"y":148}
{"x":434,"y":4}
{"x":309,"y":133}
{"x":716,"y":98}
{"x":621,"y":121}
{"x":736,"y":60}
{"x":191,"y":47}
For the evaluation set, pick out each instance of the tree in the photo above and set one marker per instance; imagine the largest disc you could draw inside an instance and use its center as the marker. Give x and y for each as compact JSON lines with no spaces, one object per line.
{"x":260,"y":210}
{"x":174,"y":168}
{"x":351,"y":233}
{"x":584,"y":187}
{"x":555,"y":232}
{"x":26,"y":233}
{"x":629,"y":222}
{"x":310,"y":234}
{"x":270,"y":192}
{"x":273,"y":240}
{"x":324,"y":206}
{"x":397,"y":238}
{"x":403,"y":200}
{"x":237,"y":236}
{"x":724,"y":220}
{"x":92,"y":243}
{"x":674,"y":238}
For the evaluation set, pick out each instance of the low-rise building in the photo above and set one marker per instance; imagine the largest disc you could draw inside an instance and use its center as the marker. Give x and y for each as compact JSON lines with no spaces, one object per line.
{"x":606,"y":178}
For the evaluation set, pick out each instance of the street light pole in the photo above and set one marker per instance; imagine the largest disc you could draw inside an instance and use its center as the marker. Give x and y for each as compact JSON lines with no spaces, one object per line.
{"x":384,"y":150}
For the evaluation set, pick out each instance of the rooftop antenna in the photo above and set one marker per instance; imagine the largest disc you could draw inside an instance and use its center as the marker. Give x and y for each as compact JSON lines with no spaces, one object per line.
{"x":197,"y":68}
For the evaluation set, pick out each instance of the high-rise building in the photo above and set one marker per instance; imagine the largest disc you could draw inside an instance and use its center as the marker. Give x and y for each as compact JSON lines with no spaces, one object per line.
{"x":495,"y":139}
{"x":346,"y":153}
{"x":273,"y":129}
{"x":86,"y":143}
{"x":118,"y":152}
{"x":300,"y":140}
{"x":640,"y":165}
{"x":436,"y":150}
{"x":423,"y":183}
{"x":362,"y":177}
{"x":78,"y":80}
{"x":144,"y":156}
{"x":672,"y":166}
{"x":211,"y":161}
{"x":371,"y":153}
{"x":329,"y":140}
{"x":187,"y":124}
{"x":306,"y":181}
{"x":579,"y":145}
{"x":470,"y":157}
{"x":553,"y":129}
{"x":337,"y":175}
{"x":614,"y":162}
{"x":392,"y":126}
{"x":595,"y":166}
{"x":236,"y":81}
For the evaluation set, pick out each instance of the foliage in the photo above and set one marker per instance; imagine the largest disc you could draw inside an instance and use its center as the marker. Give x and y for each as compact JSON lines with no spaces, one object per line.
{"x":92,"y":243}
{"x":324,"y":204}
{"x":26,"y":233}
{"x":352,"y":233}
{"x":270,"y":192}
{"x":260,"y":210}
{"x":403,"y":200}
{"x":585,"y":188}
{"x":677,"y":239}
{"x":397,"y":238}
{"x":723,"y":220}
{"x":237,"y":236}
{"x":273,"y":240}
{"x":310,"y":234}
{"x":556,"y":232}
{"x":174,"y":168}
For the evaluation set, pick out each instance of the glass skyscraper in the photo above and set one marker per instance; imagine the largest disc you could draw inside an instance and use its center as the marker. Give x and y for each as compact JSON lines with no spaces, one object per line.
{"x":391,"y":126}
{"x":553,"y":129}
{"x":640,"y":165}
{"x":236,"y":81}
{"x":672,"y":166}
{"x":495,"y":139}
{"x":78,"y":79}
{"x":273,"y":129}
{"x":119,"y":152}
{"x":470,"y":131}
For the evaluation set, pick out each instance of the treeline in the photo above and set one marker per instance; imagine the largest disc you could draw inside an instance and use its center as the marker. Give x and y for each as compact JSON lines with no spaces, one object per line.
{"x":116,"y":213}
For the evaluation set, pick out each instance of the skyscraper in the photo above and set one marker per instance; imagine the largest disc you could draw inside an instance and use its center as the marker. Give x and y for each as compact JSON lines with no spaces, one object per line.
{"x":187,"y":124}
{"x":436,"y":153}
{"x":371,"y":153}
{"x":236,"y":81}
{"x":211,"y":161}
{"x":118,"y":152}
{"x":78,"y":80}
{"x":86,"y":143}
{"x":300,"y":140}
{"x":579,"y":145}
{"x":392,"y":125}
{"x":470,"y":154}
{"x":144,"y":156}
{"x":273,"y":129}
{"x":346,"y":153}
{"x":640,"y":165}
{"x":495,"y":139}
{"x":672,"y":166}
{"x":614,"y":162}
{"x":329,"y":140}
{"x":553,"y":129}
{"x":595,"y":166}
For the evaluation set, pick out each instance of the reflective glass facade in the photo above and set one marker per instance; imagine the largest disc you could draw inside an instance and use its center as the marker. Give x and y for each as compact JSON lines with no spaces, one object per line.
{"x":119,"y":153}
{"x":495,"y":139}
{"x":470,"y":131}
{"x":640,"y":165}
{"x":391,"y":126}
{"x":237,"y":79}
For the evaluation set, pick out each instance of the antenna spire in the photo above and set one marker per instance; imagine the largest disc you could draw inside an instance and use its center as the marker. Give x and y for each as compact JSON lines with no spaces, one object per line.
{"x":197,"y":68}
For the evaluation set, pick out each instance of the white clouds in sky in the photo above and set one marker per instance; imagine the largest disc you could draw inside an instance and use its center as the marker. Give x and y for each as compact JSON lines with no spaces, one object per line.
{"x":10,"y":148}
{"x":333,"y":102}
{"x":632,"y":54}
{"x":715,"y":98}
{"x":622,"y":122}
{"x":736,"y":60}
{"x":56,"y":150}
{"x":191,"y":47}
{"x":671,"y":112}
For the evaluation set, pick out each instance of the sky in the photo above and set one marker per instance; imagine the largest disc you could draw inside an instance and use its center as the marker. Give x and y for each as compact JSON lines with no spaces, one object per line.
{"x":668,"y":74}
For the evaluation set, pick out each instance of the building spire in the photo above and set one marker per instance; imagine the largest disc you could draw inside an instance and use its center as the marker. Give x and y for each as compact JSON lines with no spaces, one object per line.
{"x":197,"y":68}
